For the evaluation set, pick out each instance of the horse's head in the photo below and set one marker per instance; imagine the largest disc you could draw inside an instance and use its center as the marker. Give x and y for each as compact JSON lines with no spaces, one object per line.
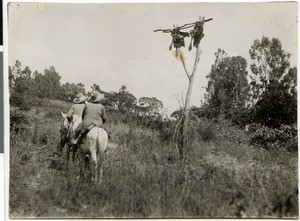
{"x":65,"y":122}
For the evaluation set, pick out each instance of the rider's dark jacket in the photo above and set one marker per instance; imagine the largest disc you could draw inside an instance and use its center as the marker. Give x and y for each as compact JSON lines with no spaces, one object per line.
{"x":93,"y":113}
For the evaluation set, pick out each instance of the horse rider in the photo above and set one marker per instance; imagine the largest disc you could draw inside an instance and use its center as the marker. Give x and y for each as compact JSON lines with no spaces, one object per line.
{"x":75,"y":110}
{"x":77,"y":107}
{"x":94,"y":114}
{"x":73,"y":118}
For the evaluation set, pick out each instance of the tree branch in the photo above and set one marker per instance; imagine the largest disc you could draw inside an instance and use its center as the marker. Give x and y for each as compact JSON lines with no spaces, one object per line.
{"x":184,"y":65}
{"x":164,"y":30}
{"x":197,"y":58}
{"x":189,"y":25}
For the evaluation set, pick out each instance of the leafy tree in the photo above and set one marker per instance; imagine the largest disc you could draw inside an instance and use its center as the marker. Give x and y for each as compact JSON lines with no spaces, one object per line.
{"x":22,"y":87}
{"x":48,"y":84}
{"x":150,"y":106}
{"x":269,"y":62}
{"x":273,"y":84}
{"x":25,"y":84}
{"x":14,"y":72}
{"x":70,"y":90}
{"x":111,"y":100}
{"x":290,"y":81}
{"x":53,"y":80}
{"x":96,"y":87}
{"x":41,"y":84}
{"x":80,"y":88}
{"x":125,"y":101}
{"x":220,"y":55}
{"x":276,"y":105}
{"x":227,"y":83}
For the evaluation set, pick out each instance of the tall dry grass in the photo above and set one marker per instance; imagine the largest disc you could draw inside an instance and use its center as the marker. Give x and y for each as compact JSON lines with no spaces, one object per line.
{"x":143,"y":177}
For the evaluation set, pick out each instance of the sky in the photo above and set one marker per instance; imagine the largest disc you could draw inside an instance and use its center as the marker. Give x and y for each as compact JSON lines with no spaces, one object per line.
{"x":114,"y":44}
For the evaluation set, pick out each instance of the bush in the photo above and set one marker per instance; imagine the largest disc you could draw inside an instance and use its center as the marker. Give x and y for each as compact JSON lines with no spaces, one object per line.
{"x":229,"y":133}
{"x":166,"y":134}
{"x":240,"y":116}
{"x":24,"y":103}
{"x":284,"y":137}
{"x":18,"y":124}
{"x":206,"y":131}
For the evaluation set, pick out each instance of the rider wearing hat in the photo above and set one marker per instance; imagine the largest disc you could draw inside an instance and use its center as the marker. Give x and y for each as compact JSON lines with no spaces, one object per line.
{"x":77,"y":107}
{"x":93,"y":114}
{"x":74,"y":121}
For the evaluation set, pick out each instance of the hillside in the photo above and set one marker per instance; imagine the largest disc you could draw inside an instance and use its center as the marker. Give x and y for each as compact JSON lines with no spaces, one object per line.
{"x":143,"y":177}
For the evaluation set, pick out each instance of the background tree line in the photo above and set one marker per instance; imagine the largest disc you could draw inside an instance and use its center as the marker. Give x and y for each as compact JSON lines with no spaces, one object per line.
{"x":27,"y":87}
{"x":30,"y":89}
{"x":267,"y":95}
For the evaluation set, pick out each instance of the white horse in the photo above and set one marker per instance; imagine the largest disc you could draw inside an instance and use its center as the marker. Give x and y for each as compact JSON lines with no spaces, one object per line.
{"x":92,"y":150}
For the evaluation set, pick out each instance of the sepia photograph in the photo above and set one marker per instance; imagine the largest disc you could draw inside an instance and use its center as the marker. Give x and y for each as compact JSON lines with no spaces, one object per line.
{"x":152,"y":110}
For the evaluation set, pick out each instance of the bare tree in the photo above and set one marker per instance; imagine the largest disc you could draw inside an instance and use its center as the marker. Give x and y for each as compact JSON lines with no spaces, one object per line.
{"x":196,"y":34}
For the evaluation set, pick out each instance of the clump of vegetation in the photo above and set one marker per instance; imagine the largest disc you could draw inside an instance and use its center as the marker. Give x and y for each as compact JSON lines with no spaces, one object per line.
{"x":206,"y":131}
{"x":284,"y":138}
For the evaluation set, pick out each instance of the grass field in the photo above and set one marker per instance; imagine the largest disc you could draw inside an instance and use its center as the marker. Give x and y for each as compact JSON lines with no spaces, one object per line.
{"x":143,"y":176}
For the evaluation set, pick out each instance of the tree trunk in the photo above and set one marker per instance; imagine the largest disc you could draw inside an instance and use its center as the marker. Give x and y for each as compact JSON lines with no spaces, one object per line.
{"x":184,"y":142}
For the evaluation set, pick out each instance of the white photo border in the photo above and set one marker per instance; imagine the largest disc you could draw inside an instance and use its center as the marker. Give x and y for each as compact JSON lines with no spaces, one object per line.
{"x":4,"y":48}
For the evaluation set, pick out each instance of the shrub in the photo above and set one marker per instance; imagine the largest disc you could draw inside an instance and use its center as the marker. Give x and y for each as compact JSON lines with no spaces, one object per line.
{"x":18,"y":124}
{"x":24,"y":103}
{"x":166,"y":134}
{"x":240,"y":116}
{"x":206,"y":131}
{"x":229,"y":133}
{"x":284,"y":137}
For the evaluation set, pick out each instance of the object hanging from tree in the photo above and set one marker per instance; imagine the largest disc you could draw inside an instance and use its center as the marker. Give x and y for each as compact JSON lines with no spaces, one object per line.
{"x":197,"y":33}
{"x":178,"y":36}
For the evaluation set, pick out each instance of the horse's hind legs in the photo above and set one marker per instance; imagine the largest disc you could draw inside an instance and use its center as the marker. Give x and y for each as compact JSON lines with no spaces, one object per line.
{"x":101,"y":173}
{"x":87,"y":164}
